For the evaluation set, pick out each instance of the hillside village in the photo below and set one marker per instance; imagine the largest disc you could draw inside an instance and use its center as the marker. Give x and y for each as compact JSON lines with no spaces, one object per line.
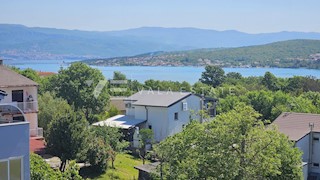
{"x":49,"y":123}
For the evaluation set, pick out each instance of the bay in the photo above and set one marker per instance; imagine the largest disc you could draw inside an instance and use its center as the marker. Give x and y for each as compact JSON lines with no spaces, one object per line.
{"x":143,"y":73}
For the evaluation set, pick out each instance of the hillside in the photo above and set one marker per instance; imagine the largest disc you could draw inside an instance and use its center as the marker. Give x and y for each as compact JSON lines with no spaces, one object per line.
{"x":292,"y":53}
{"x":21,"y":42}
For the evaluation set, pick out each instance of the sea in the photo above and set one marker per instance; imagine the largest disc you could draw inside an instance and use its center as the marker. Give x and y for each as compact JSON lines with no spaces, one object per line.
{"x":142,"y":73}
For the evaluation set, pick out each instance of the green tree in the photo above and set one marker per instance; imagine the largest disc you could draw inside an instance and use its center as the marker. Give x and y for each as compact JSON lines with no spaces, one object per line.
{"x":213,"y":76}
{"x":270,"y":81}
{"x":41,"y":170}
{"x":145,"y":138}
{"x":236,"y":145}
{"x":112,"y":137}
{"x":50,"y":108}
{"x":117,"y":75}
{"x":98,"y":154}
{"x":79,"y":85}
{"x":67,"y":137}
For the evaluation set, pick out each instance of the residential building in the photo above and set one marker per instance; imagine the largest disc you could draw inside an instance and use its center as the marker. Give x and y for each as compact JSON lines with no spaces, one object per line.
{"x":22,"y":93}
{"x":14,"y":144}
{"x":304,"y":130}
{"x":166,"y":113}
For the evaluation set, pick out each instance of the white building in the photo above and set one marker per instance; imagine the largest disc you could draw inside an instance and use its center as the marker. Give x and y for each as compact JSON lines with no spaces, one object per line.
{"x":23,"y":93}
{"x":166,"y":113}
{"x":304,"y":130}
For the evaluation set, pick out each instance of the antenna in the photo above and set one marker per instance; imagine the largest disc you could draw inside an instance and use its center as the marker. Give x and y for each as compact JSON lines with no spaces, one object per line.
{"x":311,"y":126}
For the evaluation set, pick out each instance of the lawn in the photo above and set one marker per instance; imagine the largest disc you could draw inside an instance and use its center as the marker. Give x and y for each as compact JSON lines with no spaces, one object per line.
{"x":124,"y":169}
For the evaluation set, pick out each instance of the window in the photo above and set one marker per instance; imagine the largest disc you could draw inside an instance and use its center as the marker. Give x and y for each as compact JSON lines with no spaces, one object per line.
{"x":316,"y":165}
{"x":184,"y":106}
{"x":128,"y":105}
{"x":4,"y":170}
{"x":11,"y":169}
{"x":150,"y":127}
{"x":315,"y":138}
{"x":176,"y":117}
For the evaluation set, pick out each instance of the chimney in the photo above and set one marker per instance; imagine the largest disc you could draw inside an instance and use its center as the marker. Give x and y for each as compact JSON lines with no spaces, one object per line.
{"x":1,"y":62}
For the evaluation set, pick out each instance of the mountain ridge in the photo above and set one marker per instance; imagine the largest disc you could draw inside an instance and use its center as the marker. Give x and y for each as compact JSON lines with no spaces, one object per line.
{"x":22,"y":42}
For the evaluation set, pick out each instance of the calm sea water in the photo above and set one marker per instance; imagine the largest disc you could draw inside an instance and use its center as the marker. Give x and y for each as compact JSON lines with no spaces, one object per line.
{"x":142,"y":73}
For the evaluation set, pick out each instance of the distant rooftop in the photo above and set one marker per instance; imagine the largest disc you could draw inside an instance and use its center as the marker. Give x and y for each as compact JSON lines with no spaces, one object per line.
{"x":157,"y":98}
{"x":9,"y":78}
{"x":296,"y":125}
{"x":120,"y":121}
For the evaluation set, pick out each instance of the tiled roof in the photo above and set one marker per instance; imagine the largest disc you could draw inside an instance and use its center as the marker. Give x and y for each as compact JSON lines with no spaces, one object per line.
{"x":37,"y":145}
{"x":9,"y":78}
{"x":296,"y":125}
{"x":157,"y":98}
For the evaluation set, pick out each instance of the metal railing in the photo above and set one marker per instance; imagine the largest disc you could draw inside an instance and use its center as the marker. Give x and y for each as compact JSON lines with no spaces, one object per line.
{"x":37,"y":132}
{"x":27,"y":106}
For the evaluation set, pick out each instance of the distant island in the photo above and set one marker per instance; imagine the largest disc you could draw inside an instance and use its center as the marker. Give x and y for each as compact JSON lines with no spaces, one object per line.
{"x":284,"y":54}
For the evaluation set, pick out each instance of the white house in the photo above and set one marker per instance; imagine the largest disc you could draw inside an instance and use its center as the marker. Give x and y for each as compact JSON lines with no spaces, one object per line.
{"x":23,"y":93}
{"x":304,"y":130}
{"x":166,"y":113}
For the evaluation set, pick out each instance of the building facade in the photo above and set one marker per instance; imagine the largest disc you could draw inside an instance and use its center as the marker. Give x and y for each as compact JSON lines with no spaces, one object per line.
{"x":22,"y":93}
{"x":304,"y":130}
{"x":14,"y":145}
{"x":165,"y":113}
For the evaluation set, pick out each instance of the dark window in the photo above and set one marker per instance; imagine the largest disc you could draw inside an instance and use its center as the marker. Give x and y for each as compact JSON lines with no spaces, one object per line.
{"x":18,"y":118}
{"x":316,"y":139}
{"x":17,"y":96}
{"x":315,"y":164}
{"x":176,"y":117}
{"x":150,"y":127}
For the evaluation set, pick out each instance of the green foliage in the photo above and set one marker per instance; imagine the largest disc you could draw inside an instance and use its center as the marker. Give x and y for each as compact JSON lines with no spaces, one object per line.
{"x":50,"y":108}
{"x":72,"y":172}
{"x":113,"y":138}
{"x":212,"y":76}
{"x":236,"y":145}
{"x":41,"y":170}
{"x":270,"y":81}
{"x":145,"y":138}
{"x":98,"y":154}
{"x":67,"y":137}
{"x":77,"y":83}
{"x":117,"y":75}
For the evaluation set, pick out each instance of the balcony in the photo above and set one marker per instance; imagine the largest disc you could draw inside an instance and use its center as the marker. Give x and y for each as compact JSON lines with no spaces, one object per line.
{"x":26,"y":107}
{"x":38,"y":132}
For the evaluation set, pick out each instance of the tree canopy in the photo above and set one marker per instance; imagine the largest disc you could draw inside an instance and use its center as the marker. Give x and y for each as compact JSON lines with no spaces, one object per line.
{"x":84,"y":88}
{"x":236,"y":145}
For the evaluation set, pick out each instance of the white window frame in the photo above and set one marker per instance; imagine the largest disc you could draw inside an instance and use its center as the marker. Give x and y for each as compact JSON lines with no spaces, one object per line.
{"x":184,"y":106}
{"x":8,"y":164}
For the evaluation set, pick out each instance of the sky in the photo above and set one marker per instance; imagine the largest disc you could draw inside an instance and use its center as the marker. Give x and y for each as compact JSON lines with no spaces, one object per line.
{"x":251,"y":16}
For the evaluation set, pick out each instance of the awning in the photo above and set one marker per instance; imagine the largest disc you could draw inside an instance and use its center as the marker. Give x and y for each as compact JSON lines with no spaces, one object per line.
{"x":120,"y":121}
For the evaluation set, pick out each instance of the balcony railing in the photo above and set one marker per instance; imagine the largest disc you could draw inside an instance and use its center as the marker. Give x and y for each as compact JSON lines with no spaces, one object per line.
{"x":27,"y":106}
{"x":38,"y":132}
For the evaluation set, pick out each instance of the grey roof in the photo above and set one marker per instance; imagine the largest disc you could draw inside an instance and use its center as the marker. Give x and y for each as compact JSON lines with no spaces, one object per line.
{"x":296,"y":125}
{"x":157,"y":98}
{"x":9,"y":78}
{"x":152,"y":167}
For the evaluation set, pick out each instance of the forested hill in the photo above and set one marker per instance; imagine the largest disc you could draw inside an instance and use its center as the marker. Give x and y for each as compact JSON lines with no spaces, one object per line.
{"x":292,"y":53}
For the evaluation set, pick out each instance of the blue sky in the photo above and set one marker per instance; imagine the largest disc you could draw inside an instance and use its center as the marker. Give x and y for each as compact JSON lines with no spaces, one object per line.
{"x":252,"y":16}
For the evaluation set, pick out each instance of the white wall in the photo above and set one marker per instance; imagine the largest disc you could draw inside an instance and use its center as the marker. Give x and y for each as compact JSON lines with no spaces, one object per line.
{"x":158,"y":119}
{"x":33,"y":119}
{"x":303,"y":145}
{"x":27,"y":90}
{"x":162,"y":118}
{"x":175,"y":126}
